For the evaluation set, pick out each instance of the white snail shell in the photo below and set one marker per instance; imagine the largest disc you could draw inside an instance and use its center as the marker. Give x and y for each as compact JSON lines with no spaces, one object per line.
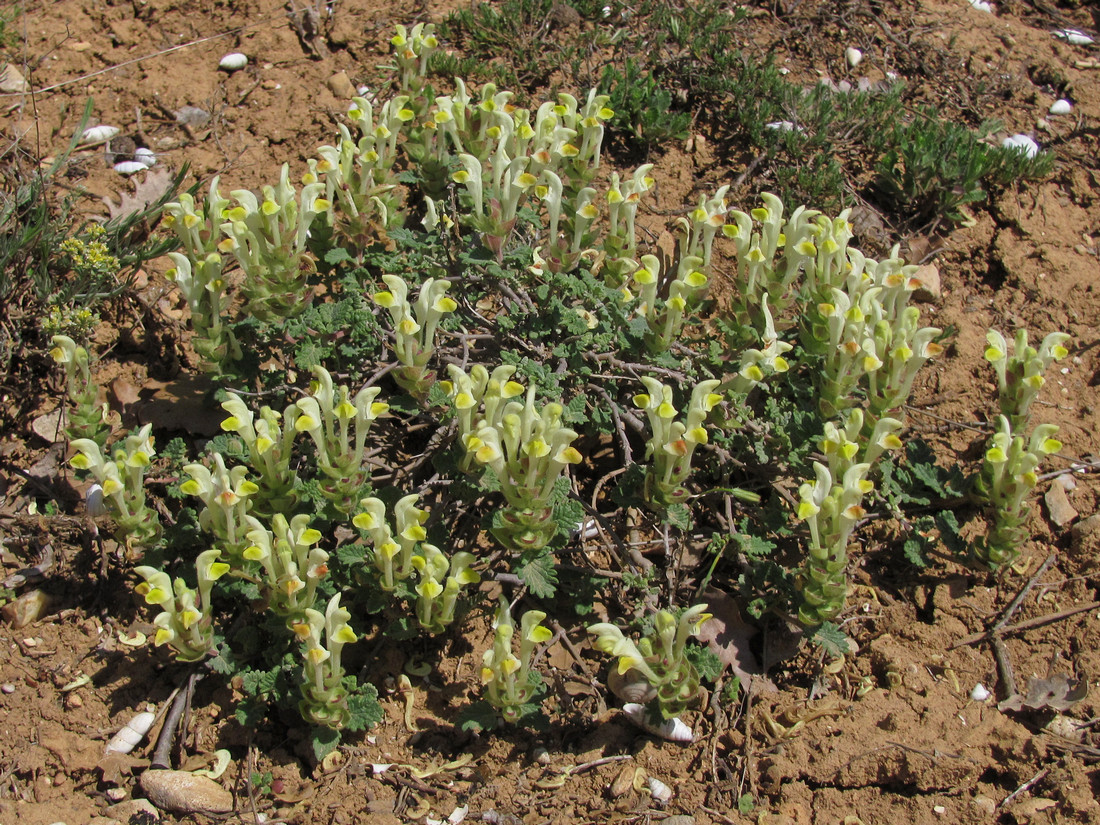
{"x":130,"y":167}
{"x":98,"y":134}
{"x":146,"y":156}
{"x":853,"y":55}
{"x":1074,"y":37}
{"x":1023,"y":144}
{"x":671,"y":730}
{"x":131,"y":735}
{"x":660,"y":792}
{"x":631,"y":686}
{"x":1061,"y":107}
{"x":232,"y":62}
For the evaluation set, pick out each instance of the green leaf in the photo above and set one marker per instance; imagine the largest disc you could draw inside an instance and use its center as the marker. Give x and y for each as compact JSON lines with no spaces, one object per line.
{"x":336,"y":256}
{"x":323,"y":741}
{"x":250,"y":713}
{"x":363,"y":704}
{"x":831,"y":639}
{"x":679,"y":516}
{"x":539,"y":574}
{"x":478,"y":717}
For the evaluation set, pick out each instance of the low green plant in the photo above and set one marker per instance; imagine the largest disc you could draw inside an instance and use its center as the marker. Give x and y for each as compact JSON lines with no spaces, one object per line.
{"x":660,"y":657}
{"x":511,"y":683}
{"x":936,"y":168}
{"x":122,"y":479}
{"x":88,"y":419}
{"x":545,"y":309}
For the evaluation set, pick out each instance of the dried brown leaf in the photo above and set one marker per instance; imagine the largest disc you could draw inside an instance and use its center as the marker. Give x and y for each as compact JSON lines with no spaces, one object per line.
{"x":148,"y":189}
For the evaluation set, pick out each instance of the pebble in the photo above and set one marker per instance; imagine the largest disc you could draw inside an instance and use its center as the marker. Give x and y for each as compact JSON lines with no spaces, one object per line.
{"x":341,"y":86}
{"x":116,"y":794}
{"x":184,"y":792}
{"x":1059,"y":509}
{"x":853,"y":55}
{"x":7,"y":688}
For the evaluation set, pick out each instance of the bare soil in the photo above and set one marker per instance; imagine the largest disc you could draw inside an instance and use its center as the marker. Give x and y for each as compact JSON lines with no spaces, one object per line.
{"x":895,"y":736}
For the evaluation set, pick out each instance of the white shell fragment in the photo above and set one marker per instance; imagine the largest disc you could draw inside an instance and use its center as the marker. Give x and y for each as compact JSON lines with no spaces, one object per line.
{"x":1022,"y":144}
{"x":853,"y":55}
{"x":232,"y":62}
{"x":981,"y":5}
{"x":98,"y":134}
{"x":131,"y":735}
{"x":782,"y":126}
{"x":671,"y":730}
{"x":1074,"y":37}
{"x":660,"y":792}
{"x":1061,"y":107}
{"x":980,"y":693}
{"x":146,"y":156}
{"x":130,"y":167}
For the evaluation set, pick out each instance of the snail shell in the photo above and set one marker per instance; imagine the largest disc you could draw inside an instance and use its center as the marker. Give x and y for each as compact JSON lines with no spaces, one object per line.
{"x":128,"y":738}
{"x":98,"y":134}
{"x":232,"y":62}
{"x":671,"y":730}
{"x":631,"y":686}
{"x":130,"y":167}
{"x":146,"y":156}
{"x":660,"y":792}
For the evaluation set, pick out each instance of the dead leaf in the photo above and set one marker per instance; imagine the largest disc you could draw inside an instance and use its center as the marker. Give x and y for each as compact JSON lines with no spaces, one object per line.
{"x":124,"y":392}
{"x":1058,"y":692}
{"x":727,"y":635}
{"x":48,"y":426}
{"x":148,"y":189}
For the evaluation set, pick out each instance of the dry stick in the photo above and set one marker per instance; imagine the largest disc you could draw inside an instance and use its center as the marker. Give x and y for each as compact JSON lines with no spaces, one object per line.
{"x":1000,"y":652}
{"x":595,"y":763}
{"x":1025,"y":787}
{"x":1016,"y":602}
{"x":162,"y":755}
{"x":1027,"y":624}
{"x":576,"y":654}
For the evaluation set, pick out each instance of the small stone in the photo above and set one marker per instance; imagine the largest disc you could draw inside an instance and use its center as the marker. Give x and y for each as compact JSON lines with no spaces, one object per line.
{"x":854,"y":56}
{"x":8,"y":688}
{"x":73,"y":701}
{"x":931,"y":288}
{"x":939,"y":810}
{"x":1059,"y":509}
{"x":116,"y":794}
{"x":980,"y":693}
{"x":12,"y":81}
{"x":1085,"y":528}
{"x":678,"y":819}
{"x":984,"y":804}
{"x":341,"y":86}
{"x":186,"y":793}
{"x":622,"y":783}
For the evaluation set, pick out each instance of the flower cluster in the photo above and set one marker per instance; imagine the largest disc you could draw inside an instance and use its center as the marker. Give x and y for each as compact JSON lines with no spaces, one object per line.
{"x":401,"y":552}
{"x":659,"y":657}
{"x":185,"y":622}
{"x":414,"y":328}
{"x":87,"y":419}
{"x":672,"y":442}
{"x":122,"y":479}
{"x":511,"y":683}
{"x":323,"y":636}
{"x":527,"y":448}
